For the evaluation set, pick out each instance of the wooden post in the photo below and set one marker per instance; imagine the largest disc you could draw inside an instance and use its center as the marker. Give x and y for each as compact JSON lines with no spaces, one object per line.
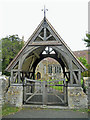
{"x":44,"y":33}
{"x":65,"y":99}
{"x":33,"y":87}
{"x":24,"y":90}
{"x":44,"y":93}
{"x":19,"y":76}
{"x":79,"y":78}
{"x":12,"y":76}
{"x":71,"y":72}
{"x":19,"y":68}
{"x":22,"y":76}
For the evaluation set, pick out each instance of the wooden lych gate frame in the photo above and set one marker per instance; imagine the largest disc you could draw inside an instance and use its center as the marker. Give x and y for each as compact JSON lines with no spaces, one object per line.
{"x":45,"y":36}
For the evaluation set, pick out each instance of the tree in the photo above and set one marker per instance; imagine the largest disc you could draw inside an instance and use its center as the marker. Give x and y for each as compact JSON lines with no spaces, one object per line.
{"x":87,"y":40}
{"x":11,"y":45}
{"x":85,"y":63}
{"x":0,"y":56}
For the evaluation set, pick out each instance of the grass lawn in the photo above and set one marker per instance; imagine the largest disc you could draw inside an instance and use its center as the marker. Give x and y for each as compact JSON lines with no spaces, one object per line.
{"x":57,"y":109}
{"x":6,"y":110}
{"x":60,"y":88}
{"x":57,"y":87}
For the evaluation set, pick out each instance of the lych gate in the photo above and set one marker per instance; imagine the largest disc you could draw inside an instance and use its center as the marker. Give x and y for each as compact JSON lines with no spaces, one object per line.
{"x":23,"y":67}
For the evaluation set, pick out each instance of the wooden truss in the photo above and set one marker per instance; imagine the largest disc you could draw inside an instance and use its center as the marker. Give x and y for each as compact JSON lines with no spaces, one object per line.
{"x":45,"y":36}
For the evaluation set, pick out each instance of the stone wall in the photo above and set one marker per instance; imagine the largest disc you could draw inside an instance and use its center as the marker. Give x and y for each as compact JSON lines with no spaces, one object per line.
{"x":5,"y":85}
{"x":14,"y":96}
{"x":11,"y":94}
{"x":87,"y":86}
{"x":0,"y":98}
{"x":77,"y":98}
{"x":86,"y":83}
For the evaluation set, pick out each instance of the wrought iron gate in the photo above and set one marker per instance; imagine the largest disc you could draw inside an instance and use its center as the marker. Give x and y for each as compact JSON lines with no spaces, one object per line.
{"x":50,"y":92}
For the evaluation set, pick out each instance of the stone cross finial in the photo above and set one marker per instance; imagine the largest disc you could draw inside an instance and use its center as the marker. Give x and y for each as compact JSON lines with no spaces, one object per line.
{"x":44,"y":11}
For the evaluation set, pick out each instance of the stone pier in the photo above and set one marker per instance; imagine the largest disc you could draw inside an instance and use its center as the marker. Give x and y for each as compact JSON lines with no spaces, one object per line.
{"x":14,"y":96}
{"x":77,"y":98}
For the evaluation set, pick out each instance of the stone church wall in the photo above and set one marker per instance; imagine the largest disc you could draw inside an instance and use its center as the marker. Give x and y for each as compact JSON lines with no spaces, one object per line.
{"x":42,"y":68}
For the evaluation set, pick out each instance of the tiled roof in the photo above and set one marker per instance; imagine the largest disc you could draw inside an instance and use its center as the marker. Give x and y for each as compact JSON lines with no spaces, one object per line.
{"x":83,"y":53}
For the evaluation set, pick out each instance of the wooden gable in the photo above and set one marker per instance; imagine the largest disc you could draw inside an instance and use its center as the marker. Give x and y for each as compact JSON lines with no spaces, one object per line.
{"x":46,"y":35}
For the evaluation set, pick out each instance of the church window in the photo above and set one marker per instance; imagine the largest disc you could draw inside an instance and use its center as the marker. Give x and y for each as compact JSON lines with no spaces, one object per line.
{"x":57,"y":69}
{"x":38,"y":75}
{"x":49,"y":69}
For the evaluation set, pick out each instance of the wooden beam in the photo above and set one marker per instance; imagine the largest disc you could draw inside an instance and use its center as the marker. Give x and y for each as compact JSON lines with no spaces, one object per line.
{"x":16,"y":84}
{"x":46,"y":43}
{"x":32,"y":95}
{"x":67,"y":76}
{"x":76,"y":70}
{"x":44,"y":93}
{"x":56,"y":80}
{"x":30,"y":67}
{"x":14,"y":70}
{"x":79,"y":77}
{"x":48,"y":37}
{"x":19,"y":76}
{"x":11,"y":76}
{"x":75,"y":77}
{"x":15,"y":78}
{"x":31,"y":80}
{"x":64,"y":54}
{"x":58,"y":97}
{"x":36,"y":55}
{"x":71,"y":77}
{"x":28,"y":49}
{"x":24,"y":93}
{"x":53,"y":34}
{"x":38,"y":32}
{"x":35,"y":94}
{"x":65,"y":94}
{"x":40,"y":37}
{"x":45,"y":33}
{"x":29,"y":57}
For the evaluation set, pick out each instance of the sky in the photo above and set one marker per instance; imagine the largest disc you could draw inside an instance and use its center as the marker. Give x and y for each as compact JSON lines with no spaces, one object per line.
{"x":68,"y":17}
